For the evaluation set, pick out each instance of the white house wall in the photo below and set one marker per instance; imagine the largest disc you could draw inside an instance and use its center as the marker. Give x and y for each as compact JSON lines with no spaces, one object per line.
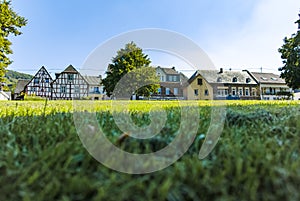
{"x":69,"y":86}
{"x":40,"y":84}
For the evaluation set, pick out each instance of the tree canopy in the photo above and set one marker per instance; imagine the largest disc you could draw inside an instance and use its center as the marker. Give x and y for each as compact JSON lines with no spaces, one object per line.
{"x":290,"y":53}
{"x":10,"y":22}
{"x":130,"y":73}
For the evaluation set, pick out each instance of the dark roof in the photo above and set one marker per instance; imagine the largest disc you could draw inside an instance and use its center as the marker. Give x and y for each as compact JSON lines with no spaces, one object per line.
{"x":70,"y":69}
{"x":21,"y":85}
{"x":214,"y":76}
{"x":92,"y":80}
{"x":169,"y":71}
{"x":267,"y":78}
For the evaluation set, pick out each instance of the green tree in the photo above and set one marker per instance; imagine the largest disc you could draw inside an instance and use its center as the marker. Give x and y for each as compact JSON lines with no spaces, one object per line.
{"x":290,"y":53}
{"x":128,"y":70}
{"x":10,"y":22}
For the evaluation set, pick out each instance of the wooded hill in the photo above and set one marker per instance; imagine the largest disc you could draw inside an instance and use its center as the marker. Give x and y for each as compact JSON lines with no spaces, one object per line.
{"x":11,"y":78}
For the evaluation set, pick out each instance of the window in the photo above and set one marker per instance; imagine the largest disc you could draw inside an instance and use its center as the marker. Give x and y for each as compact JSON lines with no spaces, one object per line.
{"x":206,"y":92}
{"x":240,"y":91}
{"x":175,"y":91}
{"x":264,"y":78}
{"x":248,"y":80}
{"x":175,"y":78}
{"x":233,"y":91}
{"x":63,"y":89}
{"x":77,"y":89}
{"x":170,"y":78}
{"x":96,"y":90}
{"x":247,"y":92}
{"x":234,"y":79}
{"x":222,"y":92}
{"x":253,"y":92}
{"x":47,"y":80}
{"x":226,"y":92}
{"x":196,"y":92}
{"x":159,"y":90}
{"x":36,"y":81}
{"x":199,"y":81}
{"x":70,"y":77}
{"x":219,"y":79}
{"x":162,"y":78}
{"x":167,"y":91}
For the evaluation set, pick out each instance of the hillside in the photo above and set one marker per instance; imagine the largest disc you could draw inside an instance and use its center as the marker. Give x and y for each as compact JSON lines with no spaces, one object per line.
{"x":11,"y":78}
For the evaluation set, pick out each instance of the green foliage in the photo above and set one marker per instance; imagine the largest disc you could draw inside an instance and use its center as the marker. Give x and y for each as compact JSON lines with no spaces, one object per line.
{"x":10,"y":22}
{"x":257,"y":157}
{"x":130,"y":59}
{"x":290,"y":53}
{"x":11,"y":78}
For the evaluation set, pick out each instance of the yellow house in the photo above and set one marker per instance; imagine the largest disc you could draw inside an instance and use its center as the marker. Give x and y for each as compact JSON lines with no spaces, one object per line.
{"x":221,"y":85}
{"x":199,"y":88}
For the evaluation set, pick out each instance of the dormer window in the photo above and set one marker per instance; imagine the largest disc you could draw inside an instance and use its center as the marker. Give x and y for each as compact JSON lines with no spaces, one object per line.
{"x":219,"y":79}
{"x":234,"y":79}
{"x":274,"y":79}
{"x":264,"y":78}
{"x":248,"y":80}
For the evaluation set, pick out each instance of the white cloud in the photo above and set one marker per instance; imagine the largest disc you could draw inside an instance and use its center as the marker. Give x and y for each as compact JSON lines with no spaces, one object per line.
{"x":256,"y":44}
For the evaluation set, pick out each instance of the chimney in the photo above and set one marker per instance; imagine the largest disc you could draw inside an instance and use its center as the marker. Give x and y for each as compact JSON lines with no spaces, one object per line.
{"x":221,"y":70}
{"x":173,"y":67}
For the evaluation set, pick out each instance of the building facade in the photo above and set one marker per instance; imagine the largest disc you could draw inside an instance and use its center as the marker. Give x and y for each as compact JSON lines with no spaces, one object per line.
{"x":221,"y":85}
{"x":39,"y":85}
{"x":171,"y":84}
{"x":69,"y":85}
{"x":270,"y":86}
{"x":95,"y":90}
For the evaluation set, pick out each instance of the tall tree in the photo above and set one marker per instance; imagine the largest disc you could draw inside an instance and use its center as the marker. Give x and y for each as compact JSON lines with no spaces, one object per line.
{"x":133,"y":65}
{"x":10,"y":22}
{"x":290,"y":53}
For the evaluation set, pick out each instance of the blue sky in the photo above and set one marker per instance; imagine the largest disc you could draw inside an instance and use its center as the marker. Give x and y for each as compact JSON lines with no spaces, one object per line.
{"x":235,"y":34}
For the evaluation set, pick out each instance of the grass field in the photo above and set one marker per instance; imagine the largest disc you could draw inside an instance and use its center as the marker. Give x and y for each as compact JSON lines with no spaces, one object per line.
{"x":256,"y":158}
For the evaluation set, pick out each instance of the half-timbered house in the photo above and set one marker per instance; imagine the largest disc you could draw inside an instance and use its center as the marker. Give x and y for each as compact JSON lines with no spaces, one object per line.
{"x":39,"y":85}
{"x":69,"y":84}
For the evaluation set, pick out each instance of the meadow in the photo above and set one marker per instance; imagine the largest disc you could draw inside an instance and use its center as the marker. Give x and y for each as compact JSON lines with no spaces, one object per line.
{"x":256,"y":157}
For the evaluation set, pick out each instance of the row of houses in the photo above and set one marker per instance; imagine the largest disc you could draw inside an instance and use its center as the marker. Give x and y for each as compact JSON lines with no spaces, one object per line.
{"x":245,"y":85}
{"x":220,"y":85}
{"x":67,"y":85}
{"x":202,"y":85}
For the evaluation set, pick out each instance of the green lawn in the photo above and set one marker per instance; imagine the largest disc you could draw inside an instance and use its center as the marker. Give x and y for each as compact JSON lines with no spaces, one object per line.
{"x":256,"y":158}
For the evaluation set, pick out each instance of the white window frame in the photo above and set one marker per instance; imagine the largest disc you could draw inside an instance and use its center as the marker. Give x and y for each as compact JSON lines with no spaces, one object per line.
{"x":247,"y":90}
{"x":241,"y":91}
{"x":63,"y":89}
{"x":176,"y":91}
{"x":167,"y":91}
{"x":233,"y":89}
